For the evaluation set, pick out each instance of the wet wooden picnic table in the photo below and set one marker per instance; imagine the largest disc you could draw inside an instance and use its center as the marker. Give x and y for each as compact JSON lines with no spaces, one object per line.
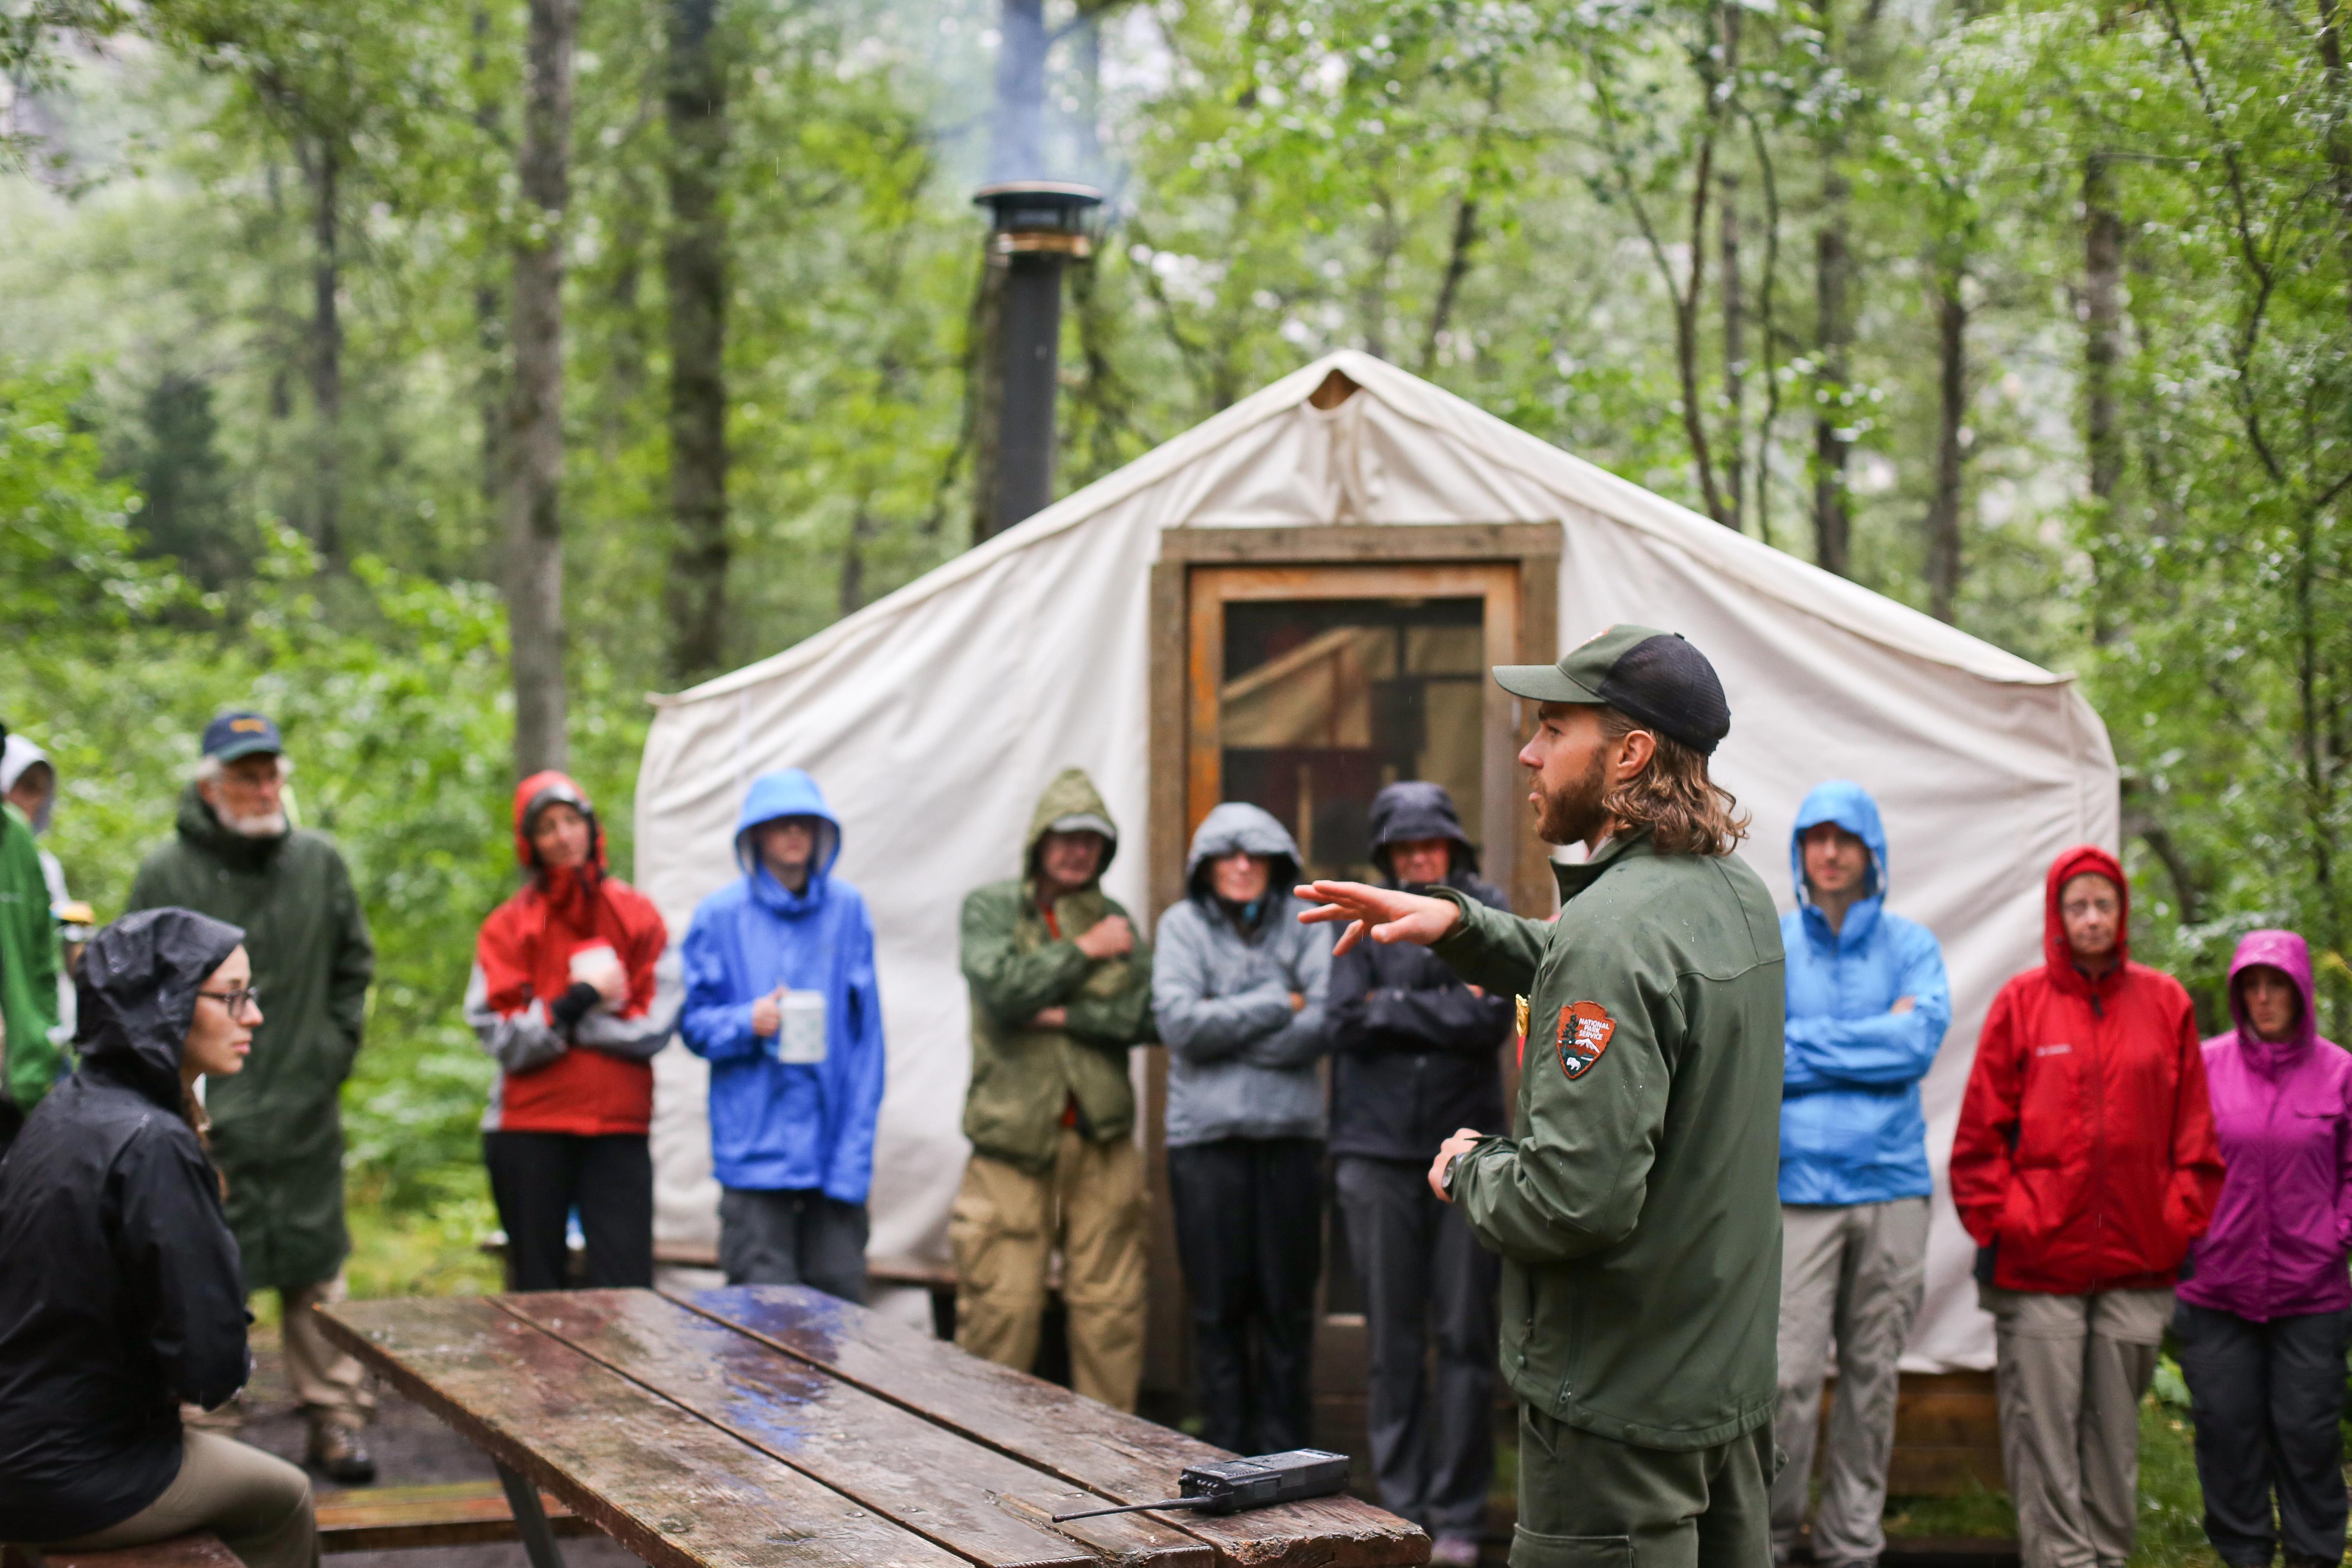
{"x":772,"y":1426}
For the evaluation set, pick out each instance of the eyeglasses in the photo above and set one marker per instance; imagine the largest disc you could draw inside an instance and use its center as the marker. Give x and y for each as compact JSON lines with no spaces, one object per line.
{"x":236,"y":1001}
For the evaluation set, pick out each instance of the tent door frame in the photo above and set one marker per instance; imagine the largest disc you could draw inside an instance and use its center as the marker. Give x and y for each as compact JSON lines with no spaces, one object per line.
{"x":1515,"y":568}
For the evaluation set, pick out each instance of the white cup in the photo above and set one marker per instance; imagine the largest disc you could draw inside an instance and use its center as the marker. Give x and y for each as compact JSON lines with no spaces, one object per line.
{"x":799,"y":1040}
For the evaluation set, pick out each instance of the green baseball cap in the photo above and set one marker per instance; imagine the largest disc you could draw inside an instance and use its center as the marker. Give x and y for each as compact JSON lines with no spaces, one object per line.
{"x":1656,"y":678}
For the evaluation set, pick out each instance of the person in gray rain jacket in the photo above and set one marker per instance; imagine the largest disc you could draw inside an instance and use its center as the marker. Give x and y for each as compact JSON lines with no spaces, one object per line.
{"x":1238,"y":988}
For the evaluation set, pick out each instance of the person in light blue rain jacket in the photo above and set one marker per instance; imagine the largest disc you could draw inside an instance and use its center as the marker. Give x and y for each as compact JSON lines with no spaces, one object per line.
{"x":781,"y":999}
{"x":1868,"y":1005}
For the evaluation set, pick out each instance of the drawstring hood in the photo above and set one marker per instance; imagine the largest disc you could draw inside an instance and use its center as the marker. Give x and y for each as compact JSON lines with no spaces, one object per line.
{"x":790,"y":792}
{"x":1848,"y":805}
{"x":1238,"y":827}
{"x":2291,"y":956}
{"x":2057,"y":956}
{"x":138,"y":996}
{"x":570,"y":890}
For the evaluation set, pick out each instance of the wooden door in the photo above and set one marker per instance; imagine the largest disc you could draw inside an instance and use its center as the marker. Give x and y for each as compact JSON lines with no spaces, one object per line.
{"x":1304,"y":686}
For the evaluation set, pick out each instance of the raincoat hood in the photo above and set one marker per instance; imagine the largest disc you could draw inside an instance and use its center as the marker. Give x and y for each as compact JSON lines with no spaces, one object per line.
{"x":138,"y":994}
{"x":1237,"y":826}
{"x":1850,"y":806}
{"x":2084,"y":858}
{"x":540,"y":791}
{"x":1415,"y":808}
{"x":790,"y":792}
{"x":15,"y":756}
{"x":2285,"y":952}
{"x":1070,"y":804}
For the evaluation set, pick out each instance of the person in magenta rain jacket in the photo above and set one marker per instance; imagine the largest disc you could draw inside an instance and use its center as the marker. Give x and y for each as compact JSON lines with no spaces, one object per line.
{"x":793,"y":1101}
{"x":2266,"y":1303}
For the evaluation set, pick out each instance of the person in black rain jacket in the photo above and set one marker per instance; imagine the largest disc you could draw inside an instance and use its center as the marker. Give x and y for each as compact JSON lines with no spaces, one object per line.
{"x":1415,"y":1055}
{"x":121,"y":1294}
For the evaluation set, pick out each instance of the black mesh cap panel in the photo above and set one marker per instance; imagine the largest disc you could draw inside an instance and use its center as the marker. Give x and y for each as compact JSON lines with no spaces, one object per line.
{"x":1669,"y":686}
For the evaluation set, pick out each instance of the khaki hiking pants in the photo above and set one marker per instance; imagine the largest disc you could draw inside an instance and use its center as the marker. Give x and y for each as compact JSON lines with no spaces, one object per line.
{"x":1005,"y":1228}
{"x":331,"y":1386}
{"x":256,"y":1504}
{"x":1851,"y":1276}
{"x":2071,"y":1370}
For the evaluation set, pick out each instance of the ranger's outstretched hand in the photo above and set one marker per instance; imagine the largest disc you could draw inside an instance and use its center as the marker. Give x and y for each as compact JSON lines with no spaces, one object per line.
{"x":1389,"y":915}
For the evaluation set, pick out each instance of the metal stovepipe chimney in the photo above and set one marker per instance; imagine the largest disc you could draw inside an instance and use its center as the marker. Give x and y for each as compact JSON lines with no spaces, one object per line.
{"x":1040,"y":225}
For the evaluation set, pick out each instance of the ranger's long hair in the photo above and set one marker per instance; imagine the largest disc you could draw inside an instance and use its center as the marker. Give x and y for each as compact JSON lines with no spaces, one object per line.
{"x":1685,"y":812}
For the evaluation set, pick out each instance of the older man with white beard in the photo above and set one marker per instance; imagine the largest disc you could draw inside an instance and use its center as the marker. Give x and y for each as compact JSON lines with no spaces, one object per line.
{"x":277,"y":1132}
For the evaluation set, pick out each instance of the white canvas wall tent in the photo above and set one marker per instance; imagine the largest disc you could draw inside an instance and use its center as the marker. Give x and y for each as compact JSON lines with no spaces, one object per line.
{"x":933,"y":717}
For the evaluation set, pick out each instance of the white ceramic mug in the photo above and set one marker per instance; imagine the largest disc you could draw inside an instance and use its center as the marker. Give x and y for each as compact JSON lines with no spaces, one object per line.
{"x":801,"y":1037}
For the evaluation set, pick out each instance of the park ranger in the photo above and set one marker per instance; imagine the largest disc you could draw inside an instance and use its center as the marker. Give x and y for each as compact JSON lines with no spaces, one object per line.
{"x":1633,"y":1202}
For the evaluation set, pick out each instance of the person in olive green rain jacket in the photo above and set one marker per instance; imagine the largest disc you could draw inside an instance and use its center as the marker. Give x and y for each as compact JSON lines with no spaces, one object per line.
{"x":1634,"y":1200}
{"x":1061,"y":989}
{"x":277,"y":1130}
{"x":28,"y":975}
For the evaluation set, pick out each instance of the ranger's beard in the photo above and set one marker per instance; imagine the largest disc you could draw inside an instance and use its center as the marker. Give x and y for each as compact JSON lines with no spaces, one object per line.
{"x":1575,"y":813}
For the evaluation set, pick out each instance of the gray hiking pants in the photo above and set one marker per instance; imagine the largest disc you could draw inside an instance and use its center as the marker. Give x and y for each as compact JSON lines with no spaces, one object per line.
{"x":2071,"y":1370}
{"x":1851,"y":1277}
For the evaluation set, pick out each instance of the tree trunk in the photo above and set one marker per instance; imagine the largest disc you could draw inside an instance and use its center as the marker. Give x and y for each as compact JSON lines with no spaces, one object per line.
{"x":535,"y":420}
{"x":694,"y":270}
{"x":1834,"y":333}
{"x":490,"y":390}
{"x":984,"y":356}
{"x":1735,"y":308}
{"x":325,"y":170}
{"x":2102,"y":328}
{"x":1944,"y":558}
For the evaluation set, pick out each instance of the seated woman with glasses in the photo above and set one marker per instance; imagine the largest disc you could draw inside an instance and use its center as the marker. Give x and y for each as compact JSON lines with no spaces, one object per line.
{"x":121,"y":1297}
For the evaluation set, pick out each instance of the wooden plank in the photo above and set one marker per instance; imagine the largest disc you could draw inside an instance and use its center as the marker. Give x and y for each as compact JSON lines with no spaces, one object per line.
{"x":1345,"y":543}
{"x":976,"y":1502}
{"x":198,"y":1549}
{"x":461,"y":1513}
{"x":1121,"y":1457}
{"x":664,"y":1483}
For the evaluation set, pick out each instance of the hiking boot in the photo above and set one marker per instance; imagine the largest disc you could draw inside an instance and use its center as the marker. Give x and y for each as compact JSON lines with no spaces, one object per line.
{"x":337,"y":1453}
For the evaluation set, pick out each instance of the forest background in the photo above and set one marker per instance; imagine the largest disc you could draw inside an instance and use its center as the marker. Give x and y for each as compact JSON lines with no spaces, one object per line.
{"x":338,"y":338}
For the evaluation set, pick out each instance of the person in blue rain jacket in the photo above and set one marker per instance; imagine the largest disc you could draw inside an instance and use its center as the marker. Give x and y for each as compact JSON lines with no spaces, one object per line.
{"x":792,"y":1137}
{"x":1868,"y":1005}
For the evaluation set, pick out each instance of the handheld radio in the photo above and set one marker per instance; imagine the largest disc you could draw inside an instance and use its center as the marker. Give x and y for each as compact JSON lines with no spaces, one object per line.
{"x":1229,"y":1486}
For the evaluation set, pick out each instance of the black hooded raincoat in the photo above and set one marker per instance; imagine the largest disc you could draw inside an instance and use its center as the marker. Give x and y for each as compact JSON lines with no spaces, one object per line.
{"x":1415,"y":1055}
{"x":120,"y":1296}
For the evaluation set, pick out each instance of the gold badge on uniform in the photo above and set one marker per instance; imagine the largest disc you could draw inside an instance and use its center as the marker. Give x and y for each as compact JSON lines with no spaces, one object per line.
{"x":1583,"y":1034}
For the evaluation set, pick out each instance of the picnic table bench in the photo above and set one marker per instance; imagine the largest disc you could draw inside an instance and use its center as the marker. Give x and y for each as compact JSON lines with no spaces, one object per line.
{"x":772,"y":1426}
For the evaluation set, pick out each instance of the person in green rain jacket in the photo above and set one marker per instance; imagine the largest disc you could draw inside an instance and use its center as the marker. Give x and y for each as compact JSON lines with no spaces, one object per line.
{"x":276,"y":1129}
{"x":1061,"y":989}
{"x":28,"y":974}
{"x":1634,"y":1200}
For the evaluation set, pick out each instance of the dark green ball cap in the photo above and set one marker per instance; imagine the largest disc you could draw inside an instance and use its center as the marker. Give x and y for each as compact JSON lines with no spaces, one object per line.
{"x":1656,"y":677}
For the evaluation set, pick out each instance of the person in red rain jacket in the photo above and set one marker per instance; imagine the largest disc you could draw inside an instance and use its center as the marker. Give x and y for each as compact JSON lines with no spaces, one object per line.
{"x":2084,"y":1167}
{"x":573,"y":994}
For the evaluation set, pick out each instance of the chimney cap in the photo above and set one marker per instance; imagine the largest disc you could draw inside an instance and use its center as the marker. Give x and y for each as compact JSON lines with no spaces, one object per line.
{"x":1036,"y":193}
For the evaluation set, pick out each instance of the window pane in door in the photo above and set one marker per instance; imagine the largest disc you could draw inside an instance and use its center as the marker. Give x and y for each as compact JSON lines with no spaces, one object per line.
{"x":1327,"y":701}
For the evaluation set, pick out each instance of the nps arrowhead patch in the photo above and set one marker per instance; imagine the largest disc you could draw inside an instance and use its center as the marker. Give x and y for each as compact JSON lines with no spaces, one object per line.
{"x":1583,"y":1035}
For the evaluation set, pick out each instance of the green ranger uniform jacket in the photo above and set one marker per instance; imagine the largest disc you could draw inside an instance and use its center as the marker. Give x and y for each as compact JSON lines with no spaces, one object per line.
{"x":28,"y":965}
{"x":1024,"y":1079}
{"x":277,"y":1131}
{"x":1635,"y":1202}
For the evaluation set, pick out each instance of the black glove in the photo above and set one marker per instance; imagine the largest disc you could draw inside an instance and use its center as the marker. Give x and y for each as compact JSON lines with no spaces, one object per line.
{"x":573,"y":1005}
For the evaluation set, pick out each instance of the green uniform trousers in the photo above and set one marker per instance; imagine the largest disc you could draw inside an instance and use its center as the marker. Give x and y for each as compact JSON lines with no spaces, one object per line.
{"x":1592,"y":1503}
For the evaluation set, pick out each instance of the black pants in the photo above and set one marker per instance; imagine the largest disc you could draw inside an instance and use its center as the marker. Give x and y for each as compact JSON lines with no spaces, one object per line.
{"x":1249,"y":1234}
{"x":1423,"y":1273}
{"x":538,"y":1178}
{"x":793,"y":1238}
{"x":2267,"y":1398}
